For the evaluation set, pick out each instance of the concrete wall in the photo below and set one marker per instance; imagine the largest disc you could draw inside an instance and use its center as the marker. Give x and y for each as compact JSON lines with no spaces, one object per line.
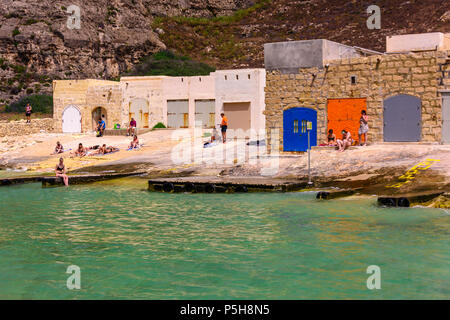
{"x":149,"y":89}
{"x":116,"y":97}
{"x":418,"y":42}
{"x":288,"y":57}
{"x":188,"y":88}
{"x":242,"y":85}
{"x":378,"y":77}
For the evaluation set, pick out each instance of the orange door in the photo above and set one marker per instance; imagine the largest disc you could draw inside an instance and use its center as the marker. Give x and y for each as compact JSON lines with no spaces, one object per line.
{"x":344,"y":114}
{"x":185,"y":120}
{"x":146,"y":120}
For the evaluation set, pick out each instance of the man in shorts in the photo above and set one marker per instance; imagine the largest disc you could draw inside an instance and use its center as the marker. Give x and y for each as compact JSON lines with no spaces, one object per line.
{"x":224,"y":126}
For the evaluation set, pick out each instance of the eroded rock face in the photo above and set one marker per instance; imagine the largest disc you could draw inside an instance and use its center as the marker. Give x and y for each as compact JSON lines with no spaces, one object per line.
{"x":113,"y":35}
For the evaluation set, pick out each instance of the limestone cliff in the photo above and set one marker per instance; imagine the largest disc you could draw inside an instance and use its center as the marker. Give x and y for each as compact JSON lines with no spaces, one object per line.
{"x":37,"y":46}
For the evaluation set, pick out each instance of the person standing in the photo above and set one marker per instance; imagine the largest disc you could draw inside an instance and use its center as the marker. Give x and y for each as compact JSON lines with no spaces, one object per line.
{"x":363,"y":127}
{"x":28,"y":110}
{"x":224,"y":127}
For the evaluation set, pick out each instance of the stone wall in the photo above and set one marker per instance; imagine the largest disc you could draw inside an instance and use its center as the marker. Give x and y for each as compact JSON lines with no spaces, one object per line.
{"x":107,"y":97}
{"x":21,"y":128}
{"x":378,"y":77}
{"x":87,"y":95}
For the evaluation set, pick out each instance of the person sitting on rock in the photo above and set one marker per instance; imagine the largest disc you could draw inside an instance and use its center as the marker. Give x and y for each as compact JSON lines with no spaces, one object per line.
{"x":59,"y":148}
{"x":135,"y":143}
{"x":60,"y":171}
{"x":101,"y":127}
{"x":346,"y":141}
{"x":81,"y":151}
{"x":132,"y":128}
{"x":331,"y":139}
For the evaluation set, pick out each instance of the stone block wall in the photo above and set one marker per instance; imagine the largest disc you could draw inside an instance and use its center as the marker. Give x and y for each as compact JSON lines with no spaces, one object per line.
{"x":377,"y":77}
{"x":21,"y":128}
{"x":108,"y":97}
{"x":87,"y":95}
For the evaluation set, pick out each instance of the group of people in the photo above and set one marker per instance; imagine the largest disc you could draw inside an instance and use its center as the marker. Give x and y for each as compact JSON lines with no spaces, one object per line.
{"x":215,"y":138}
{"x":82,"y":151}
{"x":103,"y":149}
{"x":347,"y":140}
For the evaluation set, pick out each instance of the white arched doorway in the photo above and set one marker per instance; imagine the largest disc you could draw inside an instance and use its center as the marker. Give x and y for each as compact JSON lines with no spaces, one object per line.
{"x":71,"y":120}
{"x":139,"y":110}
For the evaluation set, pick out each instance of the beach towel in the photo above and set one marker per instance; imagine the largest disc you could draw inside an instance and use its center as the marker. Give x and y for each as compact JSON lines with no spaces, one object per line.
{"x":136,"y":148}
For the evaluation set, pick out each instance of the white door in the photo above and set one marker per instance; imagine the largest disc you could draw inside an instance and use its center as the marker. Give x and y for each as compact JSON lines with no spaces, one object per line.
{"x":71,"y":120}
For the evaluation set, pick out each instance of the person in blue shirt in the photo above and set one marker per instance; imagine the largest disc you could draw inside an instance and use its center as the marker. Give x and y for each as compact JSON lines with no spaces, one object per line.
{"x":101,"y":127}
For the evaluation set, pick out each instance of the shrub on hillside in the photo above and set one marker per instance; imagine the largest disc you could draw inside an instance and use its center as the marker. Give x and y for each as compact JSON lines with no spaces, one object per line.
{"x":42,"y":103}
{"x":159,"y":125}
{"x":169,"y":64}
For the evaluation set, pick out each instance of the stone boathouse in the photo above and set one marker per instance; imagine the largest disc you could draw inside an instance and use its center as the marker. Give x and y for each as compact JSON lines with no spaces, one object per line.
{"x":405,"y":91}
{"x":177,"y":102}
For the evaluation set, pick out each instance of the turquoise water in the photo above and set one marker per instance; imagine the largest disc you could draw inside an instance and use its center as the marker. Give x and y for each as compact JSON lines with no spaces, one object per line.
{"x":133,"y":244}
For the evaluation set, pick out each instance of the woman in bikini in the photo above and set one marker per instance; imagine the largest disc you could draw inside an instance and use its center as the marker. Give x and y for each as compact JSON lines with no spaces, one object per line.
{"x":363,"y":127}
{"x":60,"y":171}
{"x":346,"y":141}
{"x":331,"y":138}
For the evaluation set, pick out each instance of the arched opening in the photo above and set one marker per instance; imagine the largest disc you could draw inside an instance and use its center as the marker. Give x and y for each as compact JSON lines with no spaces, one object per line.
{"x":139,"y":110}
{"x":97,"y":114}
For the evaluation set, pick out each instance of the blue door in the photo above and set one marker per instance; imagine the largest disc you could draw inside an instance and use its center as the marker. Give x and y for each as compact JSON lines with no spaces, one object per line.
{"x":295,"y":133}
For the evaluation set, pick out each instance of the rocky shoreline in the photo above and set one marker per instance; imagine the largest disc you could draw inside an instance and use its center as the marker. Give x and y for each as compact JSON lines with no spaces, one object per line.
{"x":379,"y":169}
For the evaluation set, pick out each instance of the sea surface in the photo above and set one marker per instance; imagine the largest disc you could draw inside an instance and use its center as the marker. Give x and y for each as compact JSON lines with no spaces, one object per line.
{"x":133,"y":244}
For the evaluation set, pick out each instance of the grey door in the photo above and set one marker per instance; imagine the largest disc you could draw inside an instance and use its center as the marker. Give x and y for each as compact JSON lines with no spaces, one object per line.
{"x":402,"y":118}
{"x":177,"y":113}
{"x":446,"y":118}
{"x":205,"y":113}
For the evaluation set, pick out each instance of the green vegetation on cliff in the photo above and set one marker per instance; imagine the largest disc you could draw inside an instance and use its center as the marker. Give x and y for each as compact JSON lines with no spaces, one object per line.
{"x":41,"y":103}
{"x":169,"y":64}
